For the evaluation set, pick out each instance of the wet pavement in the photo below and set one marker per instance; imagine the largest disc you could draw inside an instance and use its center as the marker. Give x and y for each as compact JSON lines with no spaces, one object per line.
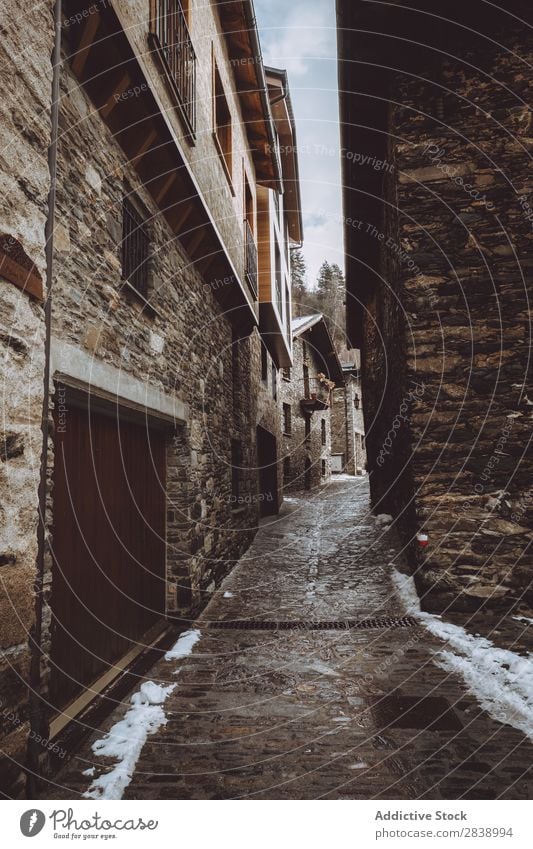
{"x":363,"y":713}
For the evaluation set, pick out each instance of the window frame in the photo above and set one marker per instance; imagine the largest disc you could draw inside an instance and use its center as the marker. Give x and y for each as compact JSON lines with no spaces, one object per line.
{"x":219,"y":98}
{"x":287,"y":419}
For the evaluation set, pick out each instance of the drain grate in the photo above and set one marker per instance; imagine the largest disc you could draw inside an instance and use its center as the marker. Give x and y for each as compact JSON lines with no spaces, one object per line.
{"x":309,"y":625}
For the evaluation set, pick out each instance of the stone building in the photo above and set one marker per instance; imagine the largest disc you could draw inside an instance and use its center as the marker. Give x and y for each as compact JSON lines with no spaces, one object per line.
{"x":348,"y":453}
{"x":166,"y":170}
{"x":306,"y":399}
{"x":436,"y":150}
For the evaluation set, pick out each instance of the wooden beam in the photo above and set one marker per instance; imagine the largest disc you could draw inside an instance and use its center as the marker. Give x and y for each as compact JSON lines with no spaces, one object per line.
{"x":196,"y":240}
{"x":165,"y":187}
{"x":117,"y":90}
{"x":85,"y":43}
{"x":27,"y":279}
{"x":206,"y":262}
{"x":144,"y":146}
{"x":182,"y":214}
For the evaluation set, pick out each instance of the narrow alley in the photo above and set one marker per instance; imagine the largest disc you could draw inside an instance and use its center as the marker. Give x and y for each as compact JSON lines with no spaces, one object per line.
{"x":316,"y":709}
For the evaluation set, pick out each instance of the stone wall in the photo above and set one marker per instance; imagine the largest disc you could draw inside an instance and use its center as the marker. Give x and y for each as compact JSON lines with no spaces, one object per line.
{"x":24,"y":183}
{"x":301,"y":451}
{"x":458,"y":401}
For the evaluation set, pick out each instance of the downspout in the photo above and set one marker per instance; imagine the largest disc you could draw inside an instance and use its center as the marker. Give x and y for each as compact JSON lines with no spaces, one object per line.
{"x":35,"y":700}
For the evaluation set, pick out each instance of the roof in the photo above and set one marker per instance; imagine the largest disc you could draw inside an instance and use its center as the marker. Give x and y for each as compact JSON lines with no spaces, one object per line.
{"x":320,"y":338}
{"x":239,"y":28}
{"x":298,"y":325}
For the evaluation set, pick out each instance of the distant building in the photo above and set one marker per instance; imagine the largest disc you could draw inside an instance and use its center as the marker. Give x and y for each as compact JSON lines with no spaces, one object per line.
{"x":306,"y":391}
{"x":348,"y":450}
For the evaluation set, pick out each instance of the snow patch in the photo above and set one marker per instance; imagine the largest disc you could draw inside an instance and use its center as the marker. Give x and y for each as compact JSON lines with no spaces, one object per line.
{"x":501,"y":680}
{"x":359,"y":765}
{"x":184,"y":646}
{"x":524,"y":619}
{"x":127,"y":738}
{"x":383,"y":519}
{"x":89,"y":772}
{"x":227,"y":595}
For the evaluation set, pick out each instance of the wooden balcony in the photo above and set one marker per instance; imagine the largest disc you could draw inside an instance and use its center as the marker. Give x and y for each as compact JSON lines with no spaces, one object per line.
{"x":316,"y":395}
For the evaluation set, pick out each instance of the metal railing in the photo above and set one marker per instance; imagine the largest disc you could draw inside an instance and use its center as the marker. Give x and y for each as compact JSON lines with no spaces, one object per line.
{"x":250,"y":257}
{"x":135,"y":249}
{"x":169,"y":27}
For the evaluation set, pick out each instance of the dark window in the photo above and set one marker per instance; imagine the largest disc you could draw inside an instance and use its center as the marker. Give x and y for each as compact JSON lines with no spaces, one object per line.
{"x":274,"y":381}
{"x":323,"y":468}
{"x":222,"y":124}
{"x":170,"y":32}
{"x":307,"y":388}
{"x":135,"y":248}
{"x":286,"y":467}
{"x":307,"y":428}
{"x":278,"y":281}
{"x":286,"y":373}
{"x":287,"y":419}
{"x":356,"y":401}
{"x":323,"y":431}
{"x":264,"y":363}
{"x":235,"y":470}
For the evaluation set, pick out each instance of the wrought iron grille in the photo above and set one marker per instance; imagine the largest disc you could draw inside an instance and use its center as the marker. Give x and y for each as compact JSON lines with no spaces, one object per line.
{"x":135,"y":248}
{"x":169,"y":27}
{"x":250,"y":257}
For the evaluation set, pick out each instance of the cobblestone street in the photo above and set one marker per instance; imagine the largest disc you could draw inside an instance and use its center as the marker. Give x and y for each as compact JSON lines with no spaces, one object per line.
{"x":307,"y":714}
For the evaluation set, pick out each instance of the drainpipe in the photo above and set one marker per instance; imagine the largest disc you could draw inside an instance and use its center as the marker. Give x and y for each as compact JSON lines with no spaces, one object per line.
{"x":35,"y":701}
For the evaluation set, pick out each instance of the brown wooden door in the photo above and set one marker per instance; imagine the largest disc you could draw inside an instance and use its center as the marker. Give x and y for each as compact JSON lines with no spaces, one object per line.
{"x":108,"y":581}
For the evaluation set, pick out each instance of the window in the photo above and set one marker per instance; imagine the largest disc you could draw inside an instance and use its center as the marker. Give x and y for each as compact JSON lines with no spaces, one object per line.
{"x":235,"y":371}
{"x":323,"y":431}
{"x":169,"y":29}
{"x":307,"y":387}
{"x":222,"y":124}
{"x":356,"y":401}
{"x":286,"y":467}
{"x":307,"y":429}
{"x":323,"y":468}
{"x":286,"y":373}
{"x":287,"y":419}
{"x":235,"y":470}
{"x":135,"y":248}
{"x":264,"y":363}
{"x":278,"y":280}
{"x":274,"y":381}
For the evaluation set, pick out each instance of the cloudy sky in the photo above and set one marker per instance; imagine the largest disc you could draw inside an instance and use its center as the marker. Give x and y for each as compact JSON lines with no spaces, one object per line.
{"x":299,"y":35}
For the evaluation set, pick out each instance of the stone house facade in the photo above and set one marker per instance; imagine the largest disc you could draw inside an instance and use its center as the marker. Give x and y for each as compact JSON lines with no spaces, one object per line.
{"x":306,"y":400}
{"x":438,"y":224}
{"x":152,"y":483}
{"x":348,"y":452}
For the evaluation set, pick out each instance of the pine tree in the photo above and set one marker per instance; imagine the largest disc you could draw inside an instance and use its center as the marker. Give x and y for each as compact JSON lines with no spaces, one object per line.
{"x":331,"y":296}
{"x":298,"y":282}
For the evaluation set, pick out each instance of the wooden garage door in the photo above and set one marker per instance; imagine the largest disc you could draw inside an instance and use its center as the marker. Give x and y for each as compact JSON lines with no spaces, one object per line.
{"x":108,"y":582}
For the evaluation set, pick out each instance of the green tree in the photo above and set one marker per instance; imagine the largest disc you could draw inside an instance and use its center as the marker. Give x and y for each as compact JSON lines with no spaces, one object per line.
{"x":298,"y":282}
{"x":330,"y":289}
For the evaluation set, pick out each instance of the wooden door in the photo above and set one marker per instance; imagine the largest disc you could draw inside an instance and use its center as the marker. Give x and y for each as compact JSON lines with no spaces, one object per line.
{"x":108,"y":580}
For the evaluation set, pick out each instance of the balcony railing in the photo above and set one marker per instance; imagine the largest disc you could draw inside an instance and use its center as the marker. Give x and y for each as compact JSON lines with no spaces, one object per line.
{"x":250,"y":258}
{"x":173,"y":41}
